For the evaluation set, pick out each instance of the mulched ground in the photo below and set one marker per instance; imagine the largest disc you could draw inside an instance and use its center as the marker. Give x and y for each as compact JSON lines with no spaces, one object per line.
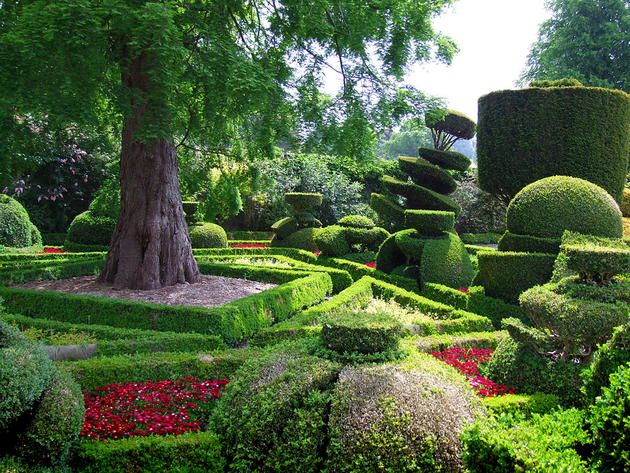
{"x":210,"y":291}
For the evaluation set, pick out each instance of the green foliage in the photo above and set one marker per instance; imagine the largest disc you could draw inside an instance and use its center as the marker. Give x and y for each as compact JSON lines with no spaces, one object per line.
{"x":106,"y":201}
{"x":285,"y":227}
{"x":390,"y":213}
{"x":302,"y":201}
{"x":544,"y":443}
{"x":448,"y":126}
{"x":293,"y":253}
{"x":625,"y":202}
{"x":517,"y":365}
{"x":528,"y":244}
{"x":389,"y":255}
{"x":608,"y":358}
{"x":56,"y":422}
{"x":16,"y":229}
{"x":356,"y":221}
{"x":191,"y":452}
{"x":556,"y":83}
{"x":53,"y":239}
{"x":445,"y":159}
{"x":529,"y":134}
{"x":410,"y":243}
{"x":89,"y":229}
{"x":208,"y":235}
{"x":582,"y":39}
{"x":445,"y":261}
{"x":504,"y":275}
{"x":548,"y":207}
{"x":609,"y":422}
{"x":274,"y":415}
{"x":419,"y":197}
{"x":430,"y":222}
{"x":523,"y":404}
{"x":476,"y":340}
{"x":423,"y":173}
{"x":332,"y":241}
{"x":404,"y":416}
{"x":482,"y":213}
{"x":495,"y":309}
{"x":597,"y":263}
{"x":355,"y":331}
{"x":302,"y":239}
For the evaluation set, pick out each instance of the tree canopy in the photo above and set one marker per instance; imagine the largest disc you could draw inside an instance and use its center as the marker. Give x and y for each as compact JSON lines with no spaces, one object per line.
{"x":584,"y":39}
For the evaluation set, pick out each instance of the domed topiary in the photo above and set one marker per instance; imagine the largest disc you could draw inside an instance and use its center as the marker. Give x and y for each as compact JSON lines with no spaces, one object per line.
{"x":16,"y":229}
{"x":403,"y":417}
{"x":88,"y":229}
{"x":548,"y":207}
{"x":208,"y":235}
{"x":302,"y":239}
{"x":529,"y":134}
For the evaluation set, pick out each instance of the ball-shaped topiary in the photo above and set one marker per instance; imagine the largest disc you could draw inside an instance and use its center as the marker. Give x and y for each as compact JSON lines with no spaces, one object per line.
{"x":548,"y":207}
{"x":208,"y":235}
{"x":16,"y":229}
{"x":528,"y":134}
{"x":88,"y":229}
{"x":403,"y":417}
{"x":302,"y":239}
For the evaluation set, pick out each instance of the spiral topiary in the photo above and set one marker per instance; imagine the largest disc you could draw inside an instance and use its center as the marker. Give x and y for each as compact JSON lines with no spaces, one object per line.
{"x":16,"y":228}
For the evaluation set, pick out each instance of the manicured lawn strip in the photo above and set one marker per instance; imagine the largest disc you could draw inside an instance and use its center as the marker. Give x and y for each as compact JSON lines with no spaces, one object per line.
{"x":358,"y":270}
{"x":300,"y":255}
{"x":233,"y":322}
{"x":476,"y":340}
{"x":341,"y":279}
{"x":48,"y":270}
{"x":189,"y":452}
{"x":97,"y":372}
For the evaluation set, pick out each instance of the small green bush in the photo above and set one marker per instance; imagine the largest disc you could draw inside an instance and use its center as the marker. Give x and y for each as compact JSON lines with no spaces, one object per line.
{"x":609,"y":421}
{"x":495,"y":309}
{"x":307,"y":220}
{"x":445,"y":261}
{"x":56,"y":422}
{"x":87,"y":229}
{"x":273,"y":416}
{"x":548,"y":207}
{"x":356,"y":221}
{"x":16,"y":229}
{"x":389,"y":256}
{"x":332,"y":241}
{"x":284,"y":227}
{"x":354,"y":331}
{"x":430,"y":222}
{"x":505,"y":275}
{"x":542,"y":444}
{"x":445,"y":159}
{"x":302,"y":201}
{"x":208,"y":235}
{"x":399,"y":417}
{"x":523,"y":404}
{"x":302,"y":239}
{"x":597,"y":263}
{"x":528,"y":244}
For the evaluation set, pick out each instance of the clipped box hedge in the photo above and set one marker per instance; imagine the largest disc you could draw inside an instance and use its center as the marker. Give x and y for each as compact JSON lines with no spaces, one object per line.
{"x":50,"y":269}
{"x":233,"y":322}
{"x":293,"y":253}
{"x":476,"y":340}
{"x":505,"y":275}
{"x":528,"y":244}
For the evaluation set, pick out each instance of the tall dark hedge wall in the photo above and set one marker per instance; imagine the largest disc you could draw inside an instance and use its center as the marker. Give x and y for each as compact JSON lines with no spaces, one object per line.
{"x":525,"y":135}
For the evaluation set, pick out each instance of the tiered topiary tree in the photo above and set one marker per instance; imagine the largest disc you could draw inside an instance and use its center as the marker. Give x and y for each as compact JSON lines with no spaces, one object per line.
{"x":553,"y":128}
{"x":298,"y":231}
{"x":427,"y":250}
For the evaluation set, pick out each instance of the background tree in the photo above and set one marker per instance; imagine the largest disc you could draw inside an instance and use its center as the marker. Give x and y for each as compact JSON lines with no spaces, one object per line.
{"x":193,"y":73}
{"x":585,"y":39}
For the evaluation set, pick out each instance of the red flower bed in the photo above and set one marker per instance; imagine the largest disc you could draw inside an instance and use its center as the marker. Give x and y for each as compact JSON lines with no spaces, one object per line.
{"x":463,"y":289}
{"x":371,"y":265}
{"x":250,"y":245}
{"x":151,"y":408}
{"x":51,"y":250}
{"x":467,"y":362}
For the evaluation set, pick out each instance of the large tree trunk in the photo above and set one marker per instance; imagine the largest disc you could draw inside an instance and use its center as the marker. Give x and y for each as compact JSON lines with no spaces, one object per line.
{"x":150,"y":247}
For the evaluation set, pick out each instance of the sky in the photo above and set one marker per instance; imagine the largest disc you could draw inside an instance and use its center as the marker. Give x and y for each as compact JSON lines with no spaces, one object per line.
{"x":494,"y":38}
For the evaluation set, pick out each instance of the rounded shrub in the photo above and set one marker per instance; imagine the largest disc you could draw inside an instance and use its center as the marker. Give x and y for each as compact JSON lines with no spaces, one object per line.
{"x":273,"y":416}
{"x":548,"y":207}
{"x":419,"y":197}
{"x":208,"y":235}
{"x":16,"y":229}
{"x":610,"y":424}
{"x":411,"y":243}
{"x":88,"y":229}
{"x":446,"y":261}
{"x":307,"y":220}
{"x":332,"y":241}
{"x":356,"y":221}
{"x":403,"y":417}
{"x":285,"y":226}
{"x":525,"y":135}
{"x":357,"y":332}
{"x":56,"y":423}
{"x":302,"y":239}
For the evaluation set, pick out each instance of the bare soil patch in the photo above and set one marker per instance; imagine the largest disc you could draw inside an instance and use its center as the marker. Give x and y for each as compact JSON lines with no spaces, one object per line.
{"x":210,"y":291}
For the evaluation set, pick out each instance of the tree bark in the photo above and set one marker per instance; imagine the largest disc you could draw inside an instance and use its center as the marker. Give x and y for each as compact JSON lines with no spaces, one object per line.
{"x":150,"y":247}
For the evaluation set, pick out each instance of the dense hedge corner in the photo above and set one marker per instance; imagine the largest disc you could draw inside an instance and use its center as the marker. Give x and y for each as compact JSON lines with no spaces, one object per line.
{"x":625,"y":202}
{"x":16,"y":228}
{"x":273,"y":416}
{"x":402,"y":417}
{"x":88,"y":229}
{"x":525,"y":135}
{"x":208,"y":235}
{"x":548,"y":207}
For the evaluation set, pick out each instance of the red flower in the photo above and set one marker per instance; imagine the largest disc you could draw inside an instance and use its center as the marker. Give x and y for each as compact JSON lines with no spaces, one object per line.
{"x":371,"y":265}
{"x":51,"y":250}
{"x":151,"y":408}
{"x":463,"y":289}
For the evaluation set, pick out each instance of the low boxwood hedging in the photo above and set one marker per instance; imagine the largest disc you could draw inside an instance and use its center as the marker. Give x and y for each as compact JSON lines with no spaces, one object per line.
{"x":21,"y":258}
{"x":447,"y":295}
{"x":152,"y":454}
{"x":505,"y":275}
{"x":476,"y":340}
{"x":480,"y":238}
{"x":495,"y":309}
{"x":98,"y":372}
{"x":83,"y":248}
{"x":529,"y":244}
{"x":233,"y":322}
{"x":50,"y":269}
{"x":293,"y":253}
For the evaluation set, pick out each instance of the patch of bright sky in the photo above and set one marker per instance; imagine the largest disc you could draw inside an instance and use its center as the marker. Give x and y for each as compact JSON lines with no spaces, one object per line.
{"x":494,"y":38}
